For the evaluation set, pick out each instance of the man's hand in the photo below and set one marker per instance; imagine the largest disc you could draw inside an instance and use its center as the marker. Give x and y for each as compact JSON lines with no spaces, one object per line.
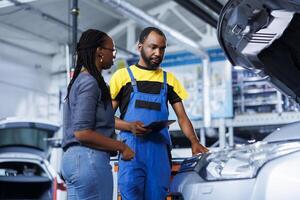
{"x":198,"y":148}
{"x":137,"y":128}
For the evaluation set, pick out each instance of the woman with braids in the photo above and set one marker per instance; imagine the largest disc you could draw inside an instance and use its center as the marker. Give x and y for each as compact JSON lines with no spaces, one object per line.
{"x":89,"y":122}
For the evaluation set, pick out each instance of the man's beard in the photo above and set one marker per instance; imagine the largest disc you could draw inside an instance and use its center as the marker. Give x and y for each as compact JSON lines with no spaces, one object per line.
{"x":149,"y":61}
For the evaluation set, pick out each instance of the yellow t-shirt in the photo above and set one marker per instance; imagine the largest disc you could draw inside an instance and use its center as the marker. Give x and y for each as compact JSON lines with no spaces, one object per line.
{"x":148,"y":81}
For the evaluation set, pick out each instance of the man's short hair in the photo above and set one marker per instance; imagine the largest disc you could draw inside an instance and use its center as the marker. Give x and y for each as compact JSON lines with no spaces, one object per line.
{"x":144,"y":34}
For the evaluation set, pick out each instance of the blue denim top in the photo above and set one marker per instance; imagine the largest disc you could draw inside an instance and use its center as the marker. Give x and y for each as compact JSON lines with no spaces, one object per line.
{"x":85,"y":110}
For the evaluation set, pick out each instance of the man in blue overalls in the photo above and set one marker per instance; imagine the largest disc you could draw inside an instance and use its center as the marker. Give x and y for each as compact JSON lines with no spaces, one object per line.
{"x":142,"y":92}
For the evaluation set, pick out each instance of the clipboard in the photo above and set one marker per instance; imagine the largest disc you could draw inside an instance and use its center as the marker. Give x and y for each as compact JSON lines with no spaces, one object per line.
{"x":159,"y":125}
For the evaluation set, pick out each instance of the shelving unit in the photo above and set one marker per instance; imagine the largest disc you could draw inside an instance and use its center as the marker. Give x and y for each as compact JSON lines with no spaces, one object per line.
{"x":259,"y":109}
{"x":252,"y":94}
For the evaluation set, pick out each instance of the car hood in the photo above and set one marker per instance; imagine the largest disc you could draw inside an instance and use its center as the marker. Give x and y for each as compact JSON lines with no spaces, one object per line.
{"x":18,"y":152}
{"x":263,"y":36}
{"x":26,"y":136}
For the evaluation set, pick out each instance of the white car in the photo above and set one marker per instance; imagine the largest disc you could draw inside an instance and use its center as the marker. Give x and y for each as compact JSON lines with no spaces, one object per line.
{"x":25,"y":172}
{"x":264,"y":36}
{"x":267,"y":170}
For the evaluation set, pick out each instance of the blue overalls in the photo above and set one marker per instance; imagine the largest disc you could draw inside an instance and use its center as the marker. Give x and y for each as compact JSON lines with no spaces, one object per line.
{"x":147,"y":176}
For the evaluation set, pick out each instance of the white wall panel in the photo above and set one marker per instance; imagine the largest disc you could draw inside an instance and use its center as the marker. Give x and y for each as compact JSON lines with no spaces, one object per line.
{"x":23,"y":89}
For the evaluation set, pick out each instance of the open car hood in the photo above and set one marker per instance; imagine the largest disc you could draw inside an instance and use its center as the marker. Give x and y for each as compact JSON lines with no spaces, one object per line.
{"x":264,"y":36}
{"x":30,"y":136}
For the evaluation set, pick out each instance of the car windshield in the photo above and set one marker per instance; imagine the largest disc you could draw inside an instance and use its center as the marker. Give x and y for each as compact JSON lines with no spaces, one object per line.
{"x":32,"y":137}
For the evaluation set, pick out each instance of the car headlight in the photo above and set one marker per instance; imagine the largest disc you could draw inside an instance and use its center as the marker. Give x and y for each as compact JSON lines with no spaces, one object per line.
{"x":245,"y":161}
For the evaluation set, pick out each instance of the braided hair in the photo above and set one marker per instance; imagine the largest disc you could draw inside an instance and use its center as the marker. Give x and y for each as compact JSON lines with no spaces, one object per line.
{"x":86,"y":49}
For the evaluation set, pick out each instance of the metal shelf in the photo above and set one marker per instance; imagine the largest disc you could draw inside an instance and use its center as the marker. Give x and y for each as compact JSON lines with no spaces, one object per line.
{"x":259,"y":91}
{"x":256,"y":102}
{"x":261,"y":103}
{"x":255,"y":93}
{"x":248,"y":120}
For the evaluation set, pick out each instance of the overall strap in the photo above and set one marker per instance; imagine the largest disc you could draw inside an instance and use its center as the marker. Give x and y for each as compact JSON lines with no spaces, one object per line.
{"x":133,"y":81}
{"x":165,"y":84}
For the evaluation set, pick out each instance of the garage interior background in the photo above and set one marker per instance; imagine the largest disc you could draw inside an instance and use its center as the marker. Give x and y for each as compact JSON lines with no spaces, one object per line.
{"x":35,"y":59}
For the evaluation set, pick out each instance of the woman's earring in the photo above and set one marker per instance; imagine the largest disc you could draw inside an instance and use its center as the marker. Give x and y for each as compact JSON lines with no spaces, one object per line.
{"x":101,"y":59}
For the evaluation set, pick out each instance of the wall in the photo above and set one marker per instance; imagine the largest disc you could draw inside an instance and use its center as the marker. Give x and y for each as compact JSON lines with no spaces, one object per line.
{"x":24,"y":80}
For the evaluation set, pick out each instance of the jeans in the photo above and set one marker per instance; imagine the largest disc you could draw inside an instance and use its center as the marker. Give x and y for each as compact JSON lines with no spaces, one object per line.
{"x":87,"y":173}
